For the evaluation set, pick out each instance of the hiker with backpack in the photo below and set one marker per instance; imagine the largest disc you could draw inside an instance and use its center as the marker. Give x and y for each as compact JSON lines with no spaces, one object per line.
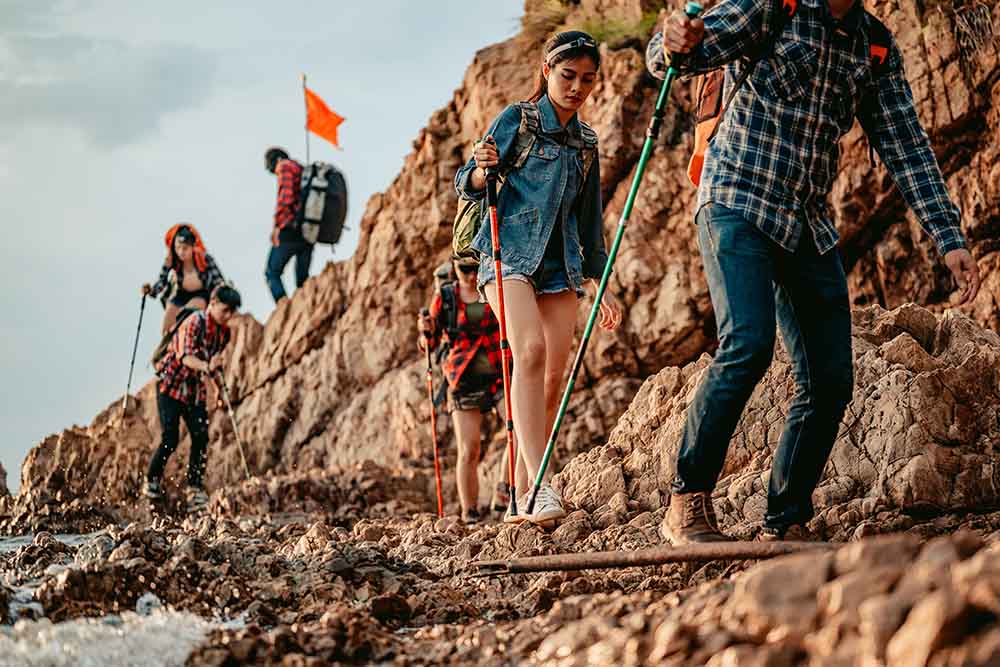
{"x":287,"y":241}
{"x":551,"y":242}
{"x":468,"y":328}
{"x":188,"y":276}
{"x":192,"y":355}
{"x":798,"y":74}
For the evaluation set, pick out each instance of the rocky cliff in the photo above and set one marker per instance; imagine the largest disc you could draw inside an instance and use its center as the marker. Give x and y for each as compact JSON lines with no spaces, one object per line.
{"x":331,"y":558}
{"x":334,"y":375}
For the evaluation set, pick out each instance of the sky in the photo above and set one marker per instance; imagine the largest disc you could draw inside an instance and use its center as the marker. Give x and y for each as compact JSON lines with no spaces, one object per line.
{"x":119,"y":118}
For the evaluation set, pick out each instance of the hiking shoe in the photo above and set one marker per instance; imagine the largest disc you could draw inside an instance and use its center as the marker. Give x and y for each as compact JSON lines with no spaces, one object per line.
{"x":796,"y":532}
{"x":197,"y":499}
{"x":691,"y":519}
{"x":548,"y":506}
{"x":153,"y":490}
{"x":522,"y":508}
{"x":471,"y":516}
{"x":501,"y":497}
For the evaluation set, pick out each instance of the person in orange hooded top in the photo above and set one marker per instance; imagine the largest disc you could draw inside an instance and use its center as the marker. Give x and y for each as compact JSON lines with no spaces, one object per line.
{"x":188,"y":276}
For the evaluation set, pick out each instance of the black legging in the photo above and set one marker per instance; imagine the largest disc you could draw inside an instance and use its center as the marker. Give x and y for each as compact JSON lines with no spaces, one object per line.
{"x":196,"y":417}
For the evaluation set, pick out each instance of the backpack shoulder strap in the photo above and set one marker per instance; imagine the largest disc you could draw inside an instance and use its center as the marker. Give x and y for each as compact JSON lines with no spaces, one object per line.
{"x":531,"y":124}
{"x":589,"y":151}
{"x":782,"y":14}
{"x":879,"y":44}
{"x":450,"y":305}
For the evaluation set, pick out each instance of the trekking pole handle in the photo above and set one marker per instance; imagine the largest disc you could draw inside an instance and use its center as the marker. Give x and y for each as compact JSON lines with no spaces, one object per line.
{"x":424,"y":312}
{"x":693,"y":10}
{"x":491,"y":180}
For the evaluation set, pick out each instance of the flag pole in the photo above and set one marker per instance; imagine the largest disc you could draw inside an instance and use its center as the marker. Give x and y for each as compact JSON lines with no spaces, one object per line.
{"x":307,"y":115}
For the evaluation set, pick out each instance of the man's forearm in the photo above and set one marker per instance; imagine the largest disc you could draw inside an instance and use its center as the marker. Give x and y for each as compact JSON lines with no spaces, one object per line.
{"x":195,"y":363}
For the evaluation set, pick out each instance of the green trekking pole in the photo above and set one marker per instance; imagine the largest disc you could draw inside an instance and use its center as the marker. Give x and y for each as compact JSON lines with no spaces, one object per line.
{"x":693,"y":9}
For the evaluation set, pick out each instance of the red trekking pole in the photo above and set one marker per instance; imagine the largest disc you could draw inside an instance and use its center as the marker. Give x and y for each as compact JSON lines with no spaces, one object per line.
{"x":434,"y":432}
{"x":491,"y":201}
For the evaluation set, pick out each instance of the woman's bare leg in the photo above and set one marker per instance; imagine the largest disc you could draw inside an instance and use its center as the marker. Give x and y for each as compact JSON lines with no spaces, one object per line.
{"x":467,"y":425}
{"x":196,"y":302}
{"x":527,"y":342}
{"x":169,"y":317}
{"x":558,"y":323}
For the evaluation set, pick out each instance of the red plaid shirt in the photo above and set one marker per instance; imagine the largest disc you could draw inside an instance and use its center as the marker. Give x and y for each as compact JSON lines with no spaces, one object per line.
{"x":468,"y":339}
{"x":289,"y":173}
{"x":201,"y":337}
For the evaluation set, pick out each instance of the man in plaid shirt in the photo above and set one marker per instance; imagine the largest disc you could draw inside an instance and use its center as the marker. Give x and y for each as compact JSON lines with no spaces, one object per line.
{"x":767,"y":240}
{"x":286,"y":239}
{"x":194,"y":353}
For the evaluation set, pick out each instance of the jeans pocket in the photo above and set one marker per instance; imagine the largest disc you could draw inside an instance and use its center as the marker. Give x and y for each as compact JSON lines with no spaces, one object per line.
{"x":704,"y":223}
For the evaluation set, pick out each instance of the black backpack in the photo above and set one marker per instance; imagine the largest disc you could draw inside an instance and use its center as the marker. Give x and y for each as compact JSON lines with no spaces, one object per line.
{"x":160,"y":350}
{"x":322,"y":204}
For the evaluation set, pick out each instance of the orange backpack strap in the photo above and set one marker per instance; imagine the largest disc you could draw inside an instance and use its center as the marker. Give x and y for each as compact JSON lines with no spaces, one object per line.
{"x":710,"y":106}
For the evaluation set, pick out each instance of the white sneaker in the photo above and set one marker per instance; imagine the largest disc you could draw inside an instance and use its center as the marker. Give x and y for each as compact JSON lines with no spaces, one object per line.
{"x":548,"y":506}
{"x":522,"y":509}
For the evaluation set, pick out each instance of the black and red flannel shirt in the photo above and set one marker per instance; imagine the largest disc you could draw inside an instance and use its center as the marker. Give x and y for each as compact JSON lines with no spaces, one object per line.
{"x":289,"y":173}
{"x":468,"y":339}
{"x":199,"y":336}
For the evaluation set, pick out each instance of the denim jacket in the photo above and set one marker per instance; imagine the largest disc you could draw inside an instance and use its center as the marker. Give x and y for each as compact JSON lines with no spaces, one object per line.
{"x":533,"y":197}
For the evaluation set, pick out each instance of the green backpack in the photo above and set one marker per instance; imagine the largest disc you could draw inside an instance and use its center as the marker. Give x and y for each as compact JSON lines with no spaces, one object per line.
{"x":470,"y":212}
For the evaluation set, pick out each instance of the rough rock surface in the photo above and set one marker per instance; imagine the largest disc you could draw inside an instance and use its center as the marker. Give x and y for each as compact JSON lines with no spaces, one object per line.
{"x":920,"y":435}
{"x":334,"y":375}
{"x":330,"y":552}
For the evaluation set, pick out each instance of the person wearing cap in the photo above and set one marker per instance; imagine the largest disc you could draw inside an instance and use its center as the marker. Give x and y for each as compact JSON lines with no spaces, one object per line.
{"x":188,"y":276}
{"x":286,"y":238}
{"x":471,"y":368}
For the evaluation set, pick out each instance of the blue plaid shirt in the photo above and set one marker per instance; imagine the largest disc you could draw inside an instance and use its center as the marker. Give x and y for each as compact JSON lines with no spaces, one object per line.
{"x":776,"y":152}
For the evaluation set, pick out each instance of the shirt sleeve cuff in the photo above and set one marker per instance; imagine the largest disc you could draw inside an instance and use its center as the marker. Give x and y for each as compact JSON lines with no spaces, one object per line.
{"x":953,"y":240}
{"x":465,"y":187}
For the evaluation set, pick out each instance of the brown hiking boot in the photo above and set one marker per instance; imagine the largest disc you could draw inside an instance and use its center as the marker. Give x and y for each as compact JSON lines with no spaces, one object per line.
{"x":793,"y":533}
{"x":690,"y":519}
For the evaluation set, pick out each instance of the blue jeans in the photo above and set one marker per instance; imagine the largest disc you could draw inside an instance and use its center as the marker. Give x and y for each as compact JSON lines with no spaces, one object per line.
{"x":753,"y":282}
{"x":290,"y":244}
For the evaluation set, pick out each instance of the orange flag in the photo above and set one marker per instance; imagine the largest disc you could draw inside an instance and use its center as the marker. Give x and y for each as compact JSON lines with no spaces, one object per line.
{"x":320,"y":119}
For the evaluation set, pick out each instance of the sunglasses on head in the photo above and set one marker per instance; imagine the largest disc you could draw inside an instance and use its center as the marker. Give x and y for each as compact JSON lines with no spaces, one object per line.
{"x":467,"y":269}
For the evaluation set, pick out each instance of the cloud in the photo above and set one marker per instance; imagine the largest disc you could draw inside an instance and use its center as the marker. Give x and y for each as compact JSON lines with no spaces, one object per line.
{"x":114,"y":91}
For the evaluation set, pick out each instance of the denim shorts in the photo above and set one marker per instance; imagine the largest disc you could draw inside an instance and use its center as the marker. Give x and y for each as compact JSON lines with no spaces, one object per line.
{"x":475,"y":393}
{"x":549,"y":278}
{"x":182,"y":297}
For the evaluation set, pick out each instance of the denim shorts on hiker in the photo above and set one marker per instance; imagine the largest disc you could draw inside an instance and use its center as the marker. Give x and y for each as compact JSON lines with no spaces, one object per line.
{"x":183,"y":297}
{"x":475,"y":394}
{"x":549,"y":278}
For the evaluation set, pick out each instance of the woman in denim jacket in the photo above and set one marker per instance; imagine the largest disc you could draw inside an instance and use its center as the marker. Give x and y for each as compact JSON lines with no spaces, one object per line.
{"x":551,"y":243}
